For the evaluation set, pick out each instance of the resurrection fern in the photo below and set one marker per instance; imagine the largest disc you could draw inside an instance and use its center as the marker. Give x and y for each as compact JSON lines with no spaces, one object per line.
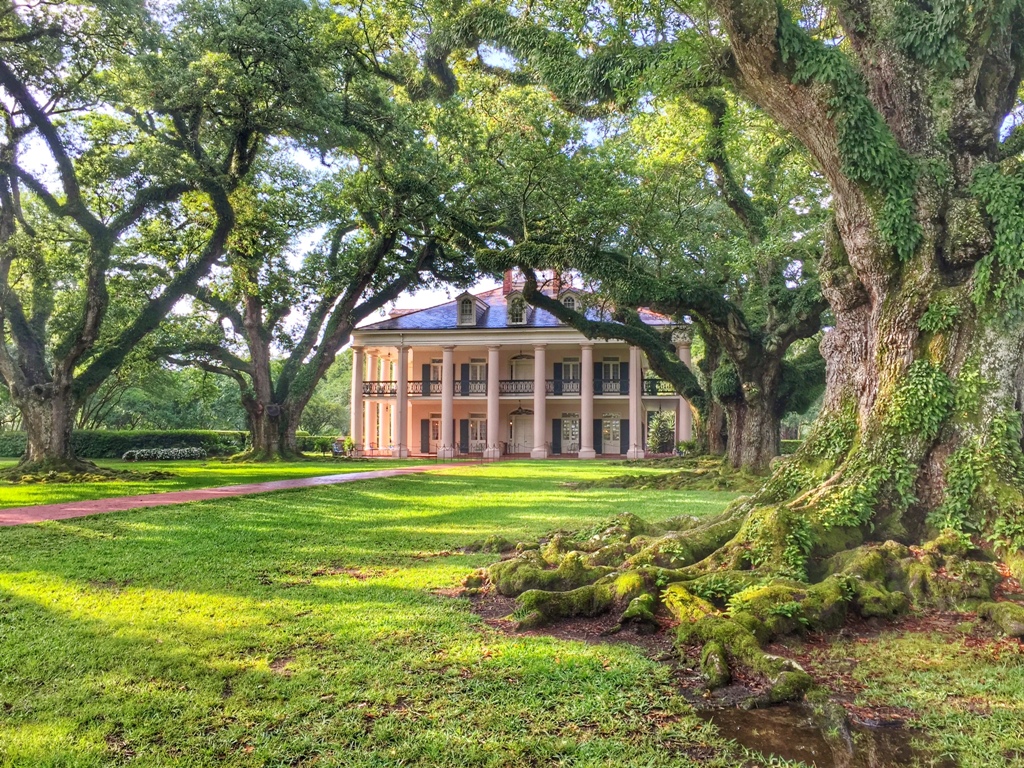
{"x":998,"y":274}
{"x":922,"y":402}
{"x":868,"y":149}
{"x":940,"y":316}
{"x":933,"y":36}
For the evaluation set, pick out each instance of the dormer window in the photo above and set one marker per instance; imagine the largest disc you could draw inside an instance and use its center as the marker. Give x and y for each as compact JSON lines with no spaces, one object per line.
{"x":517,"y":311}
{"x":569,"y":302}
{"x":467,"y":312}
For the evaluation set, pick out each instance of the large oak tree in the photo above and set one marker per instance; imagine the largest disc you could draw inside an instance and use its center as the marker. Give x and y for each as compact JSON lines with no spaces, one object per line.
{"x":133,"y":117}
{"x":907,"y":109}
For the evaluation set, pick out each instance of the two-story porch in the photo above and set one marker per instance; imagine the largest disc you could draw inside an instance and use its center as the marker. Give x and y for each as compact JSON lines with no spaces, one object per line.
{"x":486,"y":374}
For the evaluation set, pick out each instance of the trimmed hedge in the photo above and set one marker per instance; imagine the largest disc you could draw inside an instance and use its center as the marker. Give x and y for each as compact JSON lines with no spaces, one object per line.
{"x":113,"y":444}
{"x":164,"y":454}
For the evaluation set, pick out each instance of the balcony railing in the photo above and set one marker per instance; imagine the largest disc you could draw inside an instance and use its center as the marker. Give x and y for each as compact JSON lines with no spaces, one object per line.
{"x":469,"y":387}
{"x":515,"y":387}
{"x":380,"y":388}
{"x":474,"y":387}
{"x":611,"y":386}
{"x":563,"y":386}
{"x":658,"y":387}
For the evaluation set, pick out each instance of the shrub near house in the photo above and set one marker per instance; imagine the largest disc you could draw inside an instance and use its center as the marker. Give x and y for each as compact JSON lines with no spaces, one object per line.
{"x":164,"y":454}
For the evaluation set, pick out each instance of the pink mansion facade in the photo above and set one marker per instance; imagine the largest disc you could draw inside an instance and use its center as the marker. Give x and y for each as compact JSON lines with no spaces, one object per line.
{"x":488,"y":375}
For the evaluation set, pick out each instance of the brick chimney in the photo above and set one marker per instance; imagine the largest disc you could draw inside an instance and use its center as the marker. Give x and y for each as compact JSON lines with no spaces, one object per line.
{"x":507,"y":283}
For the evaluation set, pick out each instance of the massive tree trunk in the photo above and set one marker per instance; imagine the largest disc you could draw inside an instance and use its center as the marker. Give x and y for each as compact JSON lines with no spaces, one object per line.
{"x":48,"y":416}
{"x":272,"y":430}
{"x":753,"y":440}
{"x":919,"y":440}
{"x":750,"y":396}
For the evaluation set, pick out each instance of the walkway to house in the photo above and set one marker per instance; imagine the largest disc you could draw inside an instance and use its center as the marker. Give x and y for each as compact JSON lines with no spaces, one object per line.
{"x":69,"y":509}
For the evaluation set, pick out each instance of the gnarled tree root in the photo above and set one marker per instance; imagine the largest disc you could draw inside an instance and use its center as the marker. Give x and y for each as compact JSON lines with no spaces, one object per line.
{"x":701,"y":572}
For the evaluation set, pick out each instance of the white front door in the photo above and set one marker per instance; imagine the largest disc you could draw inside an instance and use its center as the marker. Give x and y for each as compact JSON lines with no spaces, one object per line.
{"x":521,"y":438}
{"x":477,"y":433}
{"x":570,"y":433}
{"x":435,"y":433}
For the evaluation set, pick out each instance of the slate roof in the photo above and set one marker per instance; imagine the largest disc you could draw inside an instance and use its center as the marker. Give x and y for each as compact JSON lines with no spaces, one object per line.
{"x":445,"y":317}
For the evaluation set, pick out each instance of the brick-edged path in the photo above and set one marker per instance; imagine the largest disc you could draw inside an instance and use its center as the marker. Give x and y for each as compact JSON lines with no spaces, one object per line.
{"x":69,"y":509}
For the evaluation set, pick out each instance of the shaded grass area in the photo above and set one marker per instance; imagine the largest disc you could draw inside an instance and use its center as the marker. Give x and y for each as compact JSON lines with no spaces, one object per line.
{"x":967,"y":695}
{"x":188,"y":475}
{"x":298,"y":628}
{"x":676,"y":473}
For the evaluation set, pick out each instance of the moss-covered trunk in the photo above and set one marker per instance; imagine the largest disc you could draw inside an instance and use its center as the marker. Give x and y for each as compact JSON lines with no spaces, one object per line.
{"x":48,"y":415}
{"x":753,"y":436}
{"x":272,"y":432}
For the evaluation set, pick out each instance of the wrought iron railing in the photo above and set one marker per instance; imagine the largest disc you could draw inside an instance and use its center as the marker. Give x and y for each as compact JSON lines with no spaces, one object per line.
{"x":658,"y":387}
{"x":465,"y":387}
{"x":380,"y":388}
{"x":516,"y":386}
{"x":563,"y":386}
{"x":611,"y":387}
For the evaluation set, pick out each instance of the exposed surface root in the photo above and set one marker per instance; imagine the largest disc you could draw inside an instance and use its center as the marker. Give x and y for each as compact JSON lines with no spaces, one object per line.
{"x":73,"y":471}
{"x":727,"y":607}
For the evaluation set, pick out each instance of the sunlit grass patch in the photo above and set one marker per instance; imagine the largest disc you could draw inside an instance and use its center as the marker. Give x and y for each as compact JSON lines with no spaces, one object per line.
{"x":299,"y":628}
{"x":188,"y":475}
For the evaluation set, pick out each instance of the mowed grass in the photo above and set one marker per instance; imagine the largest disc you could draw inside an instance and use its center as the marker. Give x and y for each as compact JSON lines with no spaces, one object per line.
{"x":968,"y":697}
{"x":299,"y":628}
{"x":188,"y":475}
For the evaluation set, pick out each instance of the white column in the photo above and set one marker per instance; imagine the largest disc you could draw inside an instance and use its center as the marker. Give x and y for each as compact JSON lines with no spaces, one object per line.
{"x":587,"y":402}
{"x":635,"y":450}
{"x":447,"y":448}
{"x":540,"y":398}
{"x":370,"y":422}
{"x":402,"y":405}
{"x":492,"y":450}
{"x":684,"y":424}
{"x":356,"y":415}
{"x":387,"y":409}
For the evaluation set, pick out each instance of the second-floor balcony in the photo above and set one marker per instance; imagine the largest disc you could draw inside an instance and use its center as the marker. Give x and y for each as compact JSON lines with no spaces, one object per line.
{"x":657,"y":387}
{"x":511,"y":387}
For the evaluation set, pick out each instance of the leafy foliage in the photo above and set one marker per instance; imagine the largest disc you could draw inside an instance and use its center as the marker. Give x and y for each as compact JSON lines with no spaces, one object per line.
{"x":868,"y":149}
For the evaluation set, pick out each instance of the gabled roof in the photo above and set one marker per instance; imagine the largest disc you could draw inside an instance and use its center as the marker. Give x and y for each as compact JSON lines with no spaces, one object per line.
{"x":446,"y":316}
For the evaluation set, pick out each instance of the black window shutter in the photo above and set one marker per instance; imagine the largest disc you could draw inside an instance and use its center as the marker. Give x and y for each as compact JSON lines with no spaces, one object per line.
{"x":463,"y":435}
{"x":623,"y":435}
{"x":598,"y":386}
{"x":426,"y":379}
{"x":558,"y":378}
{"x":425,"y":435}
{"x":465,"y":380}
{"x":556,"y":436}
{"x":598,"y":435}
{"x":623,"y":378}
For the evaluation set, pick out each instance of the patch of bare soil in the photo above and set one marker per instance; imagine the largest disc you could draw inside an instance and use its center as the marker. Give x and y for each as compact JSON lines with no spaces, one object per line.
{"x":359,"y":574}
{"x":280,"y":665}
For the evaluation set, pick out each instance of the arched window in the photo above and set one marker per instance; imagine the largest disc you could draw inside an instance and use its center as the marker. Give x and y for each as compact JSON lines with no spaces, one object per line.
{"x":569,"y":302}
{"x":516,"y":311}
{"x":467,"y":312}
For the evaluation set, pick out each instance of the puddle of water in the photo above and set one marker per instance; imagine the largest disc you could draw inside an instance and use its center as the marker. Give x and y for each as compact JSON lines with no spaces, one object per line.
{"x":790,"y":732}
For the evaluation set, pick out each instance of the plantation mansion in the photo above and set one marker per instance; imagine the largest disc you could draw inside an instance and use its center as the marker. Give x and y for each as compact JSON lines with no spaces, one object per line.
{"x":491,"y":376}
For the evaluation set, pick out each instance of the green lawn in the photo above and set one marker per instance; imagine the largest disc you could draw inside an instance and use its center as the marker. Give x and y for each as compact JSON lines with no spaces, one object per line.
{"x":299,"y":628}
{"x":189,"y":475}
